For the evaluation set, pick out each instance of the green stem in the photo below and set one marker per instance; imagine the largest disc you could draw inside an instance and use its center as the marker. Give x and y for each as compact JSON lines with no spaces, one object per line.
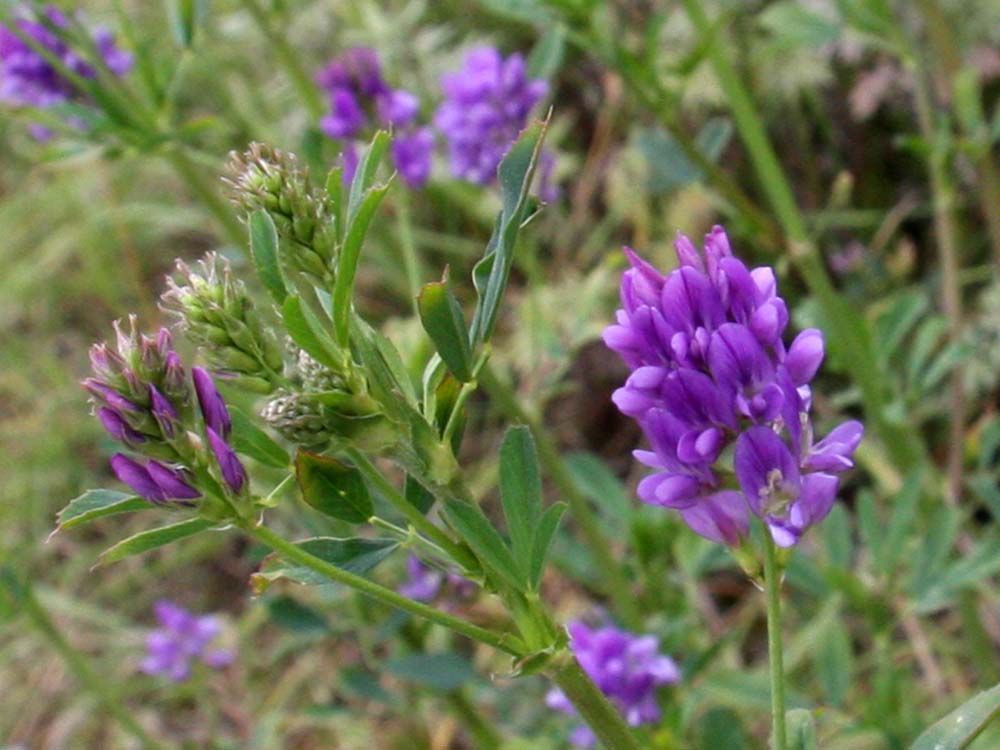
{"x":206,"y":193}
{"x":83,"y":672}
{"x":483,"y":732}
{"x":594,"y":708}
{"x":772,"y":585}
{"x":416,"y":519}
{"x":288,"y":58}
{"x":850,"y":333}
{"x":508,"y":643}
{"x":616,"y":582}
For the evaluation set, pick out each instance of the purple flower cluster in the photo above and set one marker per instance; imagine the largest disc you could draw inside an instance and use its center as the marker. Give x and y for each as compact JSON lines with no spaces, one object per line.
{"x":182,"y":639}
{"x":142,"y":397}
{"x":27,"y":78}
{"x":627,"y":668}
{"x":486,"y":106}
{"x":361,"y":100}
{"x":710,"y":371}
{"x":424,"y":583}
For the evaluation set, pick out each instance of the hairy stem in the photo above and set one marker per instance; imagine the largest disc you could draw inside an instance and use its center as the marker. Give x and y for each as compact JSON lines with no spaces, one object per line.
{"x":508,"y":643}
{"x":97,"y":685}
{"x":772,"y":585}
{"x":594,"y":708}
{"x":616,"y":582}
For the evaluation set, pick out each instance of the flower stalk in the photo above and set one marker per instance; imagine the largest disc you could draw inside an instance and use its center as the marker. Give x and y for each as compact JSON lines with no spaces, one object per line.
{"x":772,"y":587}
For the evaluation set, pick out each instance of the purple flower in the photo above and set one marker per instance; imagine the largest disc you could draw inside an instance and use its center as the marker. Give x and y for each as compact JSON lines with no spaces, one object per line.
{"x":486,"y":106}
{"x":710,"y":372}
{"x":182,"y":639}
{"x":361,"y":101}
{"x":627,"y":668}
{"x":213,"y":406}
{"x":229,"y":464}
{"x":155,"y":481}
{"x":425,"y":583}
{"x":27,"y":78}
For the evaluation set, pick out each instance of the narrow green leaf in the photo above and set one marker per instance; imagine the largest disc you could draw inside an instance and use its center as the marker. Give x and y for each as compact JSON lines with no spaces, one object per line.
{"x":264,"y":248}
{"x":444,"y":672}
{"x":444,"y":321}
{"x":388,"y":379}
{"x":484,"y":540}
{"x":520,"y":491}
{"x":335,"y":195}
{"x":417,"y":495}
{"x":721,"y":729}
{"x":97,"y":503}
{"x":333,"y":488}
{"x":958,"y":729}
{"x":834,"y":660}
{"x":357,"y":556}
{"x":801,"y":729}
{"x":600,"y":484}
{"x":250,"y":440}
{"x":147,"y":540}
{"x":547,"y":55}
{"x":836,"y":531}
{"x":545,"y":532}
{"x":291,"y":614}
{"x":308,"y":332}
{"x":904,"y":511}
{"x":347,"y":260}
{"x":364,"y":175}
{"x":492,"y":272}
{"x":185,"y":17}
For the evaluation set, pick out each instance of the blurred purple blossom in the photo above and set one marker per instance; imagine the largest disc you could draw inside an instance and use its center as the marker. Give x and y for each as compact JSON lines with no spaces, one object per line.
{"x":627,"y":668}
{"x":710,"y":371}
{"x":28,"y":78}
{"x":361,"y":101}
{"x":425,"y":583}
{"x":182,"y":639}
{"x":486,"y":106}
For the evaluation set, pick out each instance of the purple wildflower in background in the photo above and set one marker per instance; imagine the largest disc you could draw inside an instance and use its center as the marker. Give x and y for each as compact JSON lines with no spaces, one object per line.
{"x":143,"y":399}
{"x":710,"y":370}
{"x":425,"y":583}
{"x":181,"y":640}
{"x":360,"y":101}
{"x":486,"y":106}
{"x":28,"y":79}
{"x":627,"y":668}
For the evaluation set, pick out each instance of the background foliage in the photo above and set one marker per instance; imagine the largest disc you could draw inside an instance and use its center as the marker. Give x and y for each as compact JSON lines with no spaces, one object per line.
{"x":885,"y":119}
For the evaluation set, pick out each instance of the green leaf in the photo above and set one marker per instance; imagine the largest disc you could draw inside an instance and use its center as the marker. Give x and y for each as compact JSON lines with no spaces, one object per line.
{"x":484,"y":540}
{"x":834,"y":660}
{"x":350,"y":253}
{"x":801,"y":729}
{"x":97,"y":503}
{"x":332,"y":487}
{"x":548,"y":524}
{"x":958,"y":729}
{"x":264,"y":248}
{"x":417,"y":495}
{"x":600,"y":484}
{"x":721,"y":729}
{"x":308,"y":332}
{"x":520,"y":491}
{"x":293,"y":615}
{"x":547,"y":55}
{"x":897,"y":533}
{"x":353,"y":555}
{"x":185,"y":17}
{"x":492,"y":272}
{"x":364,"y":175}
{"x":250,"y":440}
{"x":388,"y":381}
{"x":147,"y":540}
{"x":444,"y":321}
{"x":836,"y":531}
{"x":444,"y":672}
{"x":794,"y":25}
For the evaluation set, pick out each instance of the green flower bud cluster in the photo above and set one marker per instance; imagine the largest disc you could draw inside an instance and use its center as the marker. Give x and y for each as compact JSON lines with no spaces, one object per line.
{"x":265,"y":178}
{"x":217,"y":314}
